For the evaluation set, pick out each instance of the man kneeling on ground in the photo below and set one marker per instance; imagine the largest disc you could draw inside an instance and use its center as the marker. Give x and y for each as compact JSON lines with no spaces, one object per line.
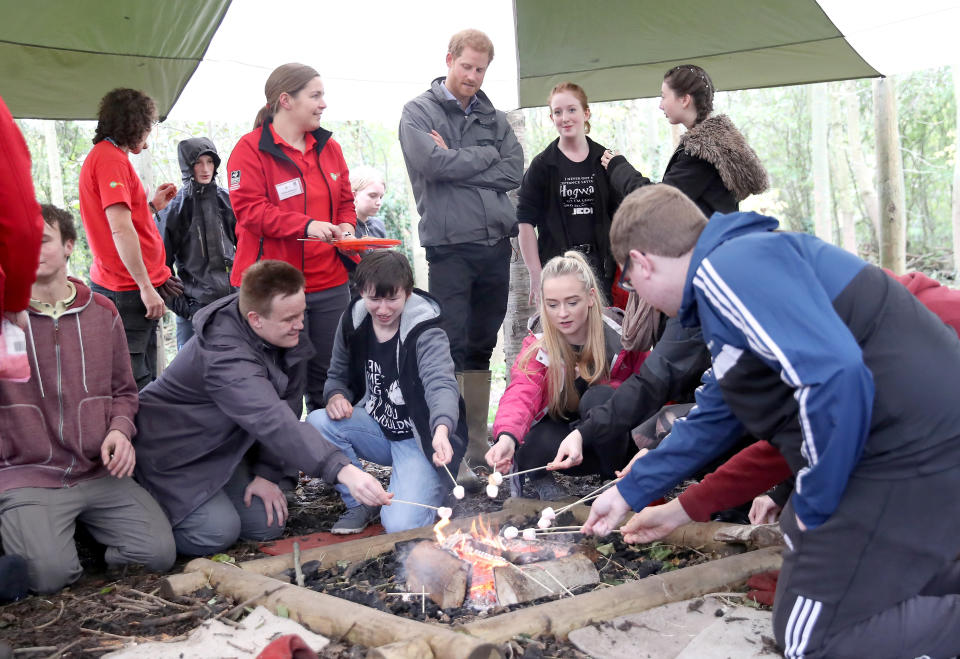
{"x":853,"y":380}
{"x":220,"y":429}
{"x":65,"y":433}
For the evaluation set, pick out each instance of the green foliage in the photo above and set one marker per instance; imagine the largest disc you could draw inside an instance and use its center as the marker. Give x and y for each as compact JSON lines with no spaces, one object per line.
{"x":775,"y":121}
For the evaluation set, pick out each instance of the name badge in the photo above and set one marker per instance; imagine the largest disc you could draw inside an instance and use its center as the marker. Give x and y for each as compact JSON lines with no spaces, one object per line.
{"x":290,"y":188}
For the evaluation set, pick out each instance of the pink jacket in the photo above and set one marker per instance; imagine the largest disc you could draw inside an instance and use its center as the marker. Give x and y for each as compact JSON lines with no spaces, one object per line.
{"x":525,"y":400}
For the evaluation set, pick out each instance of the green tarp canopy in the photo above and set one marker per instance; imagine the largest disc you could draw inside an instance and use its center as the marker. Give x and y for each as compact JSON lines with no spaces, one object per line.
{"x":619,"y":49}
{"x":58,"y":59}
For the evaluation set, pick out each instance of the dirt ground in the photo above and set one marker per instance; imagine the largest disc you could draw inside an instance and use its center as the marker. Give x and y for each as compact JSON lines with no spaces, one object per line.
{"x":104,"y":609}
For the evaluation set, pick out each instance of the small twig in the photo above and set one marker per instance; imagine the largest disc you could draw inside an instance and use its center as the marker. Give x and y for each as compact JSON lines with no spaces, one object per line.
{"x":526,"y":471}
{"x":176,"y":617}
{"x":230,"y":613}
{"x":50,"y":622}
{"x":297,"y":568}
{"x":240,"y":647}
{"x":100,"y":633}
{"x":59,"y":653}
{"x":159,"y":600}
{"x":37,"y":649}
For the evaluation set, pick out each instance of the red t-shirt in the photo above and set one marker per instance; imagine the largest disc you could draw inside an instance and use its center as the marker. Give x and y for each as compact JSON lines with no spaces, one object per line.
{"x":108,"y":178}
{"x":320,"y":263}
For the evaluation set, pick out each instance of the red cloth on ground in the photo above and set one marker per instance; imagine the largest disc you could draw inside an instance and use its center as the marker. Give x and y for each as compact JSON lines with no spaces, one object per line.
{"x":290,"y":646}
{"x":749,"y":473}
{"x":21,"y":225}
{"x":763,"y":587}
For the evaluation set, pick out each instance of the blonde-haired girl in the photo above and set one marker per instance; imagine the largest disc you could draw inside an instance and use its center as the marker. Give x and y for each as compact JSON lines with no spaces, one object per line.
{"x":570,"y":366}
{"x":368,"y":190}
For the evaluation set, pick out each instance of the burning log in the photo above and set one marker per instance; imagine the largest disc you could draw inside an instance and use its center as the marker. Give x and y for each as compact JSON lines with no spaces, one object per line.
{"x":515,"y":585}
{"x":442,"y":575}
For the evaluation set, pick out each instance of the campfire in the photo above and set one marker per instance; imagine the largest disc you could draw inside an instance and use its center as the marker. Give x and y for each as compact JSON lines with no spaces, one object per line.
{"x":483,"y":569}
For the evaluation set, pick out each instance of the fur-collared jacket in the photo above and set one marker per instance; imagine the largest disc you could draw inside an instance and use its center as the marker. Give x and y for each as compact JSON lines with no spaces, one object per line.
{"x":713,"y":165}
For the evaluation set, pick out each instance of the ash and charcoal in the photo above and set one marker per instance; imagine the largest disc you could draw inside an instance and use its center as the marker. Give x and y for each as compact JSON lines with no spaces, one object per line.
{"x":373,"y":582}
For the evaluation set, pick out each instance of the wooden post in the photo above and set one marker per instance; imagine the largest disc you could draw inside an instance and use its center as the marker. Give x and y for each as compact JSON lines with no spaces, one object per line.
{"x":893,"y":226}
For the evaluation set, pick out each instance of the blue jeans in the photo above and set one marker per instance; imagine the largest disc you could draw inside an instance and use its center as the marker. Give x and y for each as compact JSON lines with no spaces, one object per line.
{"x":414,"y":477}
{"x":184,"y":331}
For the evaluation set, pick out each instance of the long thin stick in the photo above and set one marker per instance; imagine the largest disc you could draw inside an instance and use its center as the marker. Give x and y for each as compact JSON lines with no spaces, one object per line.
{"x":590,"y":496}
{"x":414,"y":503}
{"x":550,"y":574}
{"x":526,"y":471}
{"x":450,"y":475}
{"x":536,"y":581}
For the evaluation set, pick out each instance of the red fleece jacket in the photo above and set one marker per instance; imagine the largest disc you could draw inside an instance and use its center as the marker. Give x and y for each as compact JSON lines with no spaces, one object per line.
{"x":21,"y":225}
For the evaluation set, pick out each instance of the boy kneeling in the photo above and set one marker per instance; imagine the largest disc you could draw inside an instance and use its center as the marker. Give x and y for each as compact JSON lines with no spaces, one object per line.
{"x":391,"y":394}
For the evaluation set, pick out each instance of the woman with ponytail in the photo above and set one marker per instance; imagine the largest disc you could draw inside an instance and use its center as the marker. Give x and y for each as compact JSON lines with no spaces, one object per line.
{"x":713,"y":164}
{"x":570,"y":365}
{"x":565,"y":200}
{"x":290,"y":190}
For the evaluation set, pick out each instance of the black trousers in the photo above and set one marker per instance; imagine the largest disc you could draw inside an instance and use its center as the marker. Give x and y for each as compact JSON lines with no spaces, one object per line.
{"x":472,"y":283}
{"x":541,"y":443}
{"x":322,"y":318}
{"x":141,"y":333}
{"x":879,"y":578}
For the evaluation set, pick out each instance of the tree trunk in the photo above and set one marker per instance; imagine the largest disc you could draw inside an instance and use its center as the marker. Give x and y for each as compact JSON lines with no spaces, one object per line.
{"x":53,"y":164}
{"x":956,"y":173}
{"x":863,"y":175}
{"x":519,"y":308}
{"x":419,"y":254}
{"x":893,"y":230}
{"x":840,"y":177}
{"x":820,"y":118}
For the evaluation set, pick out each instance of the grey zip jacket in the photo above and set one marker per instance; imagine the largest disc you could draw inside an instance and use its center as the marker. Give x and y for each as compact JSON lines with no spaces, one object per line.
{"x":461,"y":191}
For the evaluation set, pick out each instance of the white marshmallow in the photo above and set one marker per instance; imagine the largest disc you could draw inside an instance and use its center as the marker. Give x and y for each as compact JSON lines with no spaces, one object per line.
{"x":547,"y":513}
{"x":493,"y":491}
{"x":529,"y":534}
{"x":510,"y":532}
{"x":496,"y":478}
{"x":544,"y":523}
{"x":444,"y":512}
{"x":459,"y":492}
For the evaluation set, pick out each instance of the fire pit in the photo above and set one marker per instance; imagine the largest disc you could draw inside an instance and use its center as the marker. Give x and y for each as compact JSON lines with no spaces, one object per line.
{"x":369,"y":571}
{"x":483,"y":569}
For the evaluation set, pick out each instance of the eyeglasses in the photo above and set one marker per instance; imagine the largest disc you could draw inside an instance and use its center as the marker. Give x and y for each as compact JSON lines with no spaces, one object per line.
{"x":622,"y":282}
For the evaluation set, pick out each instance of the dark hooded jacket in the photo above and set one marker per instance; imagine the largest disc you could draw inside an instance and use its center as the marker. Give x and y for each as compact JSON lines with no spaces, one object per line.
{"x":539,"y":204}
{"x":199,"y":233}
{"x":226,"y":393}
{"x":713,"y":165}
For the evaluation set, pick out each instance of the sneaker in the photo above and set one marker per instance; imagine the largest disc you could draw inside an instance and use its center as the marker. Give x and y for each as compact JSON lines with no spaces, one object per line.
{"x":355,"y":520}
{"x":547,"y":489}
